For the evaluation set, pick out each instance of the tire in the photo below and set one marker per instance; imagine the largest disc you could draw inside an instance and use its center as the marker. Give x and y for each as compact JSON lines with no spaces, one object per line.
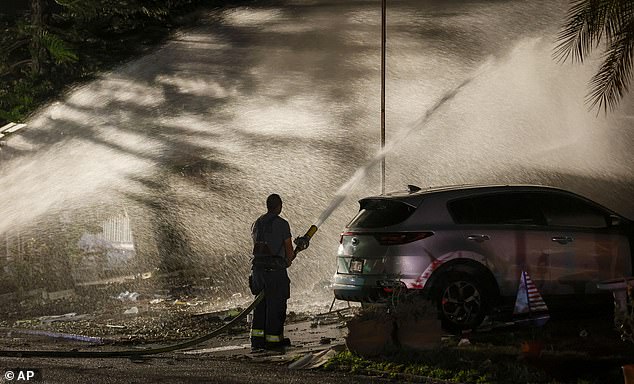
{"x":463,"y":301}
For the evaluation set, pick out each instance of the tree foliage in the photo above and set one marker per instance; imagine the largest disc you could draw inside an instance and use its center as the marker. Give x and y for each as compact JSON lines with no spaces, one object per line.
{"x":607,"y":24}
{"x":46,"y":46}
{"x":48,"y":43}
{"x":39,"y":43}
{"x":92,"y":9}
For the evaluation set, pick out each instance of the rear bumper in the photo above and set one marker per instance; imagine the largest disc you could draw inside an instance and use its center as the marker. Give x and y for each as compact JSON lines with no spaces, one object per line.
{"x":360,"y":294}
{"x":363,"y":288}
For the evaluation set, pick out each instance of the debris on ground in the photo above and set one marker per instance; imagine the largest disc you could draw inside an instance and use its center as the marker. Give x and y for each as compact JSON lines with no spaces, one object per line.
{"x":218,"y":349}
{"x":65,"y":317}
{"x":326,"y":340}
{"x":57,"y":335}
{"x":60,"y":295}
{"x":313,"y":360}
{"x":131,"y":311}
{"x":339,"y":316}
{"x":225,"y":315}
{"x":295,"y":317}
{"x":135,"y":309}
{"x":128,"y":296}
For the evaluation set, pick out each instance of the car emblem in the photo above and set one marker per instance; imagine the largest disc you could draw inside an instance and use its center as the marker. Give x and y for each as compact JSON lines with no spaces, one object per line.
{"x":355,"y":241}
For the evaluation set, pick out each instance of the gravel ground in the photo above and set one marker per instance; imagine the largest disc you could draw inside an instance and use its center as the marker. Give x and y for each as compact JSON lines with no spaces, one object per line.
{"x":178,"y":369}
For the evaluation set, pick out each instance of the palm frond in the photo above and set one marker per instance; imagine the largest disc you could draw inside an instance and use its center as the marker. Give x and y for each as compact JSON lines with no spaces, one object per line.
{"x":617,"y":18}
{"x":589,"y":24}
{"x":611,"y":82}
{"x":585,"y":26}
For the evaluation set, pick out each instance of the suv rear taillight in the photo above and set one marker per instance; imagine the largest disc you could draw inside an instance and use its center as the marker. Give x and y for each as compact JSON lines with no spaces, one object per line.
{"x":391,"y":238}
{"x":346,"y":234}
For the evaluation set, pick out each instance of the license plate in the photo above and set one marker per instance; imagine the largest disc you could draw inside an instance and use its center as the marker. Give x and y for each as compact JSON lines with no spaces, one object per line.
{"x":356,"y":265}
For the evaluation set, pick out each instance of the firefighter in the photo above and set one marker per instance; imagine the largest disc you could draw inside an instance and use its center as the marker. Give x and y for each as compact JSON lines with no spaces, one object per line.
{"x":272,"y":254}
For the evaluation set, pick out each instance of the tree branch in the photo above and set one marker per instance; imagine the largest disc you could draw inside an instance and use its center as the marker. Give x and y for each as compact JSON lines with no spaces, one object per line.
{"x":15,"y":65}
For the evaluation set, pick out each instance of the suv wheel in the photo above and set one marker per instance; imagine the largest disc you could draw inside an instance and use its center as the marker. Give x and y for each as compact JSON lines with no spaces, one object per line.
{"x":462,"y":302}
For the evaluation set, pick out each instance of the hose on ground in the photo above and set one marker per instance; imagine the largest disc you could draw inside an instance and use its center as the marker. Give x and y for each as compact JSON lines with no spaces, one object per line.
{"x":136,"y":352}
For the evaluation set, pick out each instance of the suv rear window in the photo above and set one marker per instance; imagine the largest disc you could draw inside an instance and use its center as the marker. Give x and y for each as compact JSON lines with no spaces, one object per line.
{"x":375,"y":213}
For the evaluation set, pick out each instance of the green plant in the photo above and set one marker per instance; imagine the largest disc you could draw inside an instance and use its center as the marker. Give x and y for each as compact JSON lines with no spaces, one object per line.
{"x":20,"y":96}
{"x":411,"y":368}
{"x":57,"y":48}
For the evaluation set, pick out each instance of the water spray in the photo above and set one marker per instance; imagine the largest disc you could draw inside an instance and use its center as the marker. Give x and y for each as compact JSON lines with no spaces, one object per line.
{"x":302,"y":242}
{"x":360,"y":173}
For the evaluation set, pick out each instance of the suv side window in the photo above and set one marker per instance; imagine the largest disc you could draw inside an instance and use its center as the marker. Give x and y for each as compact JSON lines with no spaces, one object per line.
{"x":569,"y":211}
{"x":496,"y":209}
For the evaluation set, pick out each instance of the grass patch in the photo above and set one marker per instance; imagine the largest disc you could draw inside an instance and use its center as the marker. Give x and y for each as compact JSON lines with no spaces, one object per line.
{"x":494,"y":357}
{"x":445,"y":364}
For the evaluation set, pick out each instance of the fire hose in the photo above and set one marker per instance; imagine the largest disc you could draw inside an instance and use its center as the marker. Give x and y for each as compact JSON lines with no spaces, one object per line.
{"x":301,"y":242}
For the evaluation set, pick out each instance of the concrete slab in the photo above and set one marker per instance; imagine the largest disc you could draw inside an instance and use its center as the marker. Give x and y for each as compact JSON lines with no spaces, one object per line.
{"x":15,"y":128}
{"x":7,"y":126}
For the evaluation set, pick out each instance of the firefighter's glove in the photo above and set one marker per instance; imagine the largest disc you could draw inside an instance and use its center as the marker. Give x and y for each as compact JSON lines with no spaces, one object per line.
{"x":302,"y":242}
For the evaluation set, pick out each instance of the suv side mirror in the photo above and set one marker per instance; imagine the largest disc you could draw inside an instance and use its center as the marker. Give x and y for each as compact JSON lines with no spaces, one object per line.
{"x":615,"y":221}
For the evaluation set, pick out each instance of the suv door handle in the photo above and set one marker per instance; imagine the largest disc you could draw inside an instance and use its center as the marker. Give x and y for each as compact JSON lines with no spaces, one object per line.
{"x":562,"y":239}
{"x":478,"y":238}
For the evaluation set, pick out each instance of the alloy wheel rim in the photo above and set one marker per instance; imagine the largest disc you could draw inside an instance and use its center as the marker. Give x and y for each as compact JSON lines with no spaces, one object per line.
{"x":461,"y":302}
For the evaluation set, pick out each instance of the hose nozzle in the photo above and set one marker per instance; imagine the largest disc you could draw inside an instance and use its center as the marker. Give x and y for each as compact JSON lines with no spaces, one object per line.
{"x":303,"y":242}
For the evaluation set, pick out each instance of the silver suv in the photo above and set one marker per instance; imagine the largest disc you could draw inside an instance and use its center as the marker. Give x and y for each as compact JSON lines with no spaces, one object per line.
{"x":465,"y":247}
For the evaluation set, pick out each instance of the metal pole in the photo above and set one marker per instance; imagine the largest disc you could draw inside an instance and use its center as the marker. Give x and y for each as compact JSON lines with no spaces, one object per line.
{"x":383,"y":40}
{"x":7,"y":257}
